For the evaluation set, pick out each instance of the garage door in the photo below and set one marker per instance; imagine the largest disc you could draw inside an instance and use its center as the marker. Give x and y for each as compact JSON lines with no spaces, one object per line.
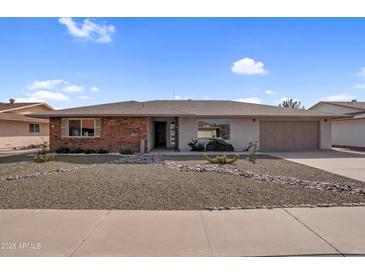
{"x":287,"y":136}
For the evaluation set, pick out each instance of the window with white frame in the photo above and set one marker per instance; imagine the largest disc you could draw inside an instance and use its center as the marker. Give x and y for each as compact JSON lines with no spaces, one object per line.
{"x":81,"y":127}
{"x":214,"y":128}
{"x":34,"y":128}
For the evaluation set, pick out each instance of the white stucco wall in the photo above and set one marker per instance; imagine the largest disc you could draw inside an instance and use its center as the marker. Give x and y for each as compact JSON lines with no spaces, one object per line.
{"x":244,"y":131}
{"x":325,"y":134}
{"x":349,"y":132}
{"x":188,"y":129}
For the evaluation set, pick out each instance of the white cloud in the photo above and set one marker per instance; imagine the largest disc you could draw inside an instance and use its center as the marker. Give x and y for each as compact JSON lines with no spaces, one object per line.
{"x":362,"y":72}
{"x":183,"y":97}
{"x":88,"y":30}
{"x":84,"y":97}
{"x":28,"y":100}
{"x":253,"y":100}
{"x":248,"y":66}
{"x":73,"y":88}
{"x":43,"y":95}
{"x":94,"y":89}
{"x":46,"y":84}
{"x":360,"y":86}
{"x":271,"y":92}
{"x":339,"y":97}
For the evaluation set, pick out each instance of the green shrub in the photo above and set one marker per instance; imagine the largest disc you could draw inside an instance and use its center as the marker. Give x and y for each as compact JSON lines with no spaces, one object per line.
{"x":126,"y":151}
{"x":102,"y":151}
{"x":222,"y":159}
{"x":41,"y":158}
{"x":32,"y":146}
{"x":89,"y":151}
{"x":43,"y":153}
{"x":252,"y":156}
{"x":218,"y":145}
{"x":63,"y":150}
{"x":76,"y":150}
{"x":195,"y":145}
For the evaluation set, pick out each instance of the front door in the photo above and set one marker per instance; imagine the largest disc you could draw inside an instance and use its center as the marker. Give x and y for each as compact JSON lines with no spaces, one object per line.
{"x":160,"y":134}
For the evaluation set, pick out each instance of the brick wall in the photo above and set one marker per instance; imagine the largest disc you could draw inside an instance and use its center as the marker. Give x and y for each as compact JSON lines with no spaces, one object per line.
{"x":116,"y":132}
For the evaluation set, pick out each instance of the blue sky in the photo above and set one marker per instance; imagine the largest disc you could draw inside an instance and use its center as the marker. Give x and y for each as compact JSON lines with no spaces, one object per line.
{"x":71,"y":62}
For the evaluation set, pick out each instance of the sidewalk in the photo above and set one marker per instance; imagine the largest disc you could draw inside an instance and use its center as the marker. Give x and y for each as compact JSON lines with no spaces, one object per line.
{"x":257,"y":232}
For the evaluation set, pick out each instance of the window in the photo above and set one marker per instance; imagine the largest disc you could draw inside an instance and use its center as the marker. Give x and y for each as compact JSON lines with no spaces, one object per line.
{"x":74,"y":127}
{"x":214,"y":128}
{"x":34,"y":128}
{"x":88,"y":127}
{"x":81,"y":127}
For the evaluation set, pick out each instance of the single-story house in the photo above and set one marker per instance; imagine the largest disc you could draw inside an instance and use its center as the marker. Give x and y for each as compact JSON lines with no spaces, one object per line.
{"x":17,"y":129}
{"x":347,"y":132}
{"x":172,"y":124}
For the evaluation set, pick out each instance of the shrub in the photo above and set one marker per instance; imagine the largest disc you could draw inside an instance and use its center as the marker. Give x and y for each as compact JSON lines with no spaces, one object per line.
{"x":41,"y":158}
{"x":252,"y":156}
{"x":102,"y":151}
{"x":76,"y":150}
{"x":63,"y":150}
{"x":218,"y":145}
{"x":33,"y":146}
{"x":222,"y":159}
{"x":89,"y":151}
{"x":195,"y":145}
{"x":126,"y":151}
{"x":43,"y":154}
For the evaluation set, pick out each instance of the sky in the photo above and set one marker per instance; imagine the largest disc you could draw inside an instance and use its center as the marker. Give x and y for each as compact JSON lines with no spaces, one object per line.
{"x":70,"y":62}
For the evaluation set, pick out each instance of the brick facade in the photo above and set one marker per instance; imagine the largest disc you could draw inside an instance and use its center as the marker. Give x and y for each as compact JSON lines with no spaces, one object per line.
{"x":116,"y":132}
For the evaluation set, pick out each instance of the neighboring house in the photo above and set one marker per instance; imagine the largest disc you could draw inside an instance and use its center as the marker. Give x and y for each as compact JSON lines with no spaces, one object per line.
{"x":143,"y":126}
{"x":18,"y":130}
{"x":347,"y":132}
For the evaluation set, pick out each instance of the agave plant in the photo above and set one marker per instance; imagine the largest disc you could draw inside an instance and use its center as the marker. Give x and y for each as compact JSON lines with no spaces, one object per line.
{"x":222,"y":159}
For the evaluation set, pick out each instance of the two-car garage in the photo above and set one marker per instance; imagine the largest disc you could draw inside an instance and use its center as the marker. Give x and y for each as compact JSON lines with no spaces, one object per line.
{"x":289,"y":135}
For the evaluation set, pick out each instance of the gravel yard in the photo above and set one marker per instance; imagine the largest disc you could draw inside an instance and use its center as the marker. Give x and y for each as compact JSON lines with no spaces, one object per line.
{"x":146,"y":186}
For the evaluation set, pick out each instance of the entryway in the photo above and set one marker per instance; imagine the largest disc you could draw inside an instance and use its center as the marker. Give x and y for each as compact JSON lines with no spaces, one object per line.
{"x":160,"y":134}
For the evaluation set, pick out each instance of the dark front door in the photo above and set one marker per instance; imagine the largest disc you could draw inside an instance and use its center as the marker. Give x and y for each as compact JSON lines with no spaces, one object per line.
{"x":160,"y":134}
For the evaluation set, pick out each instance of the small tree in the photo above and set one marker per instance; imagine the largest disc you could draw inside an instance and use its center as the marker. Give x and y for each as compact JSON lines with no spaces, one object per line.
{"x":290,"y":103}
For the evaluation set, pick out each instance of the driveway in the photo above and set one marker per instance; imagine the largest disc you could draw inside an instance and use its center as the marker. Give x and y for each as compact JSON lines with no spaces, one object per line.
{"x":337,"y":231}
{"x":347,"y":164}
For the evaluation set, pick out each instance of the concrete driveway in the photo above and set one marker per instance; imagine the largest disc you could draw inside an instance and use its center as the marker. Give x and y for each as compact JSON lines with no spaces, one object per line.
{"x":348,"y":164}
{"x":337,"y":231}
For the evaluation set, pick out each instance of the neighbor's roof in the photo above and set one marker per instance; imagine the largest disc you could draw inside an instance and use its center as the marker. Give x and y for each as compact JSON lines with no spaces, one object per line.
{"x":182,"y":108}
{"x":5,"y":107}
{"x":351,"y":104}
{"x":21,"y":118}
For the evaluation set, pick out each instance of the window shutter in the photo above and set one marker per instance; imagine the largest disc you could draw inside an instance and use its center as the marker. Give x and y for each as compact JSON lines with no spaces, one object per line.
{"x":97,"y":127}
{"x":63,"y":128}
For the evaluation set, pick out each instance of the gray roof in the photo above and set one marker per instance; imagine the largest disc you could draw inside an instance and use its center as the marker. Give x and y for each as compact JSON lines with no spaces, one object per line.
{"x":350,"y":104}
{"x":183,"y":108}
{"x":21,"y":118}
{"x":5,"y":107}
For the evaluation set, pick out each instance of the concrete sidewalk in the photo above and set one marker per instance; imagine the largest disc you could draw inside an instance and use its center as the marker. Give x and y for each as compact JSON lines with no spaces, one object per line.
{"x":344,"y":163}
{"x":257,"y":232}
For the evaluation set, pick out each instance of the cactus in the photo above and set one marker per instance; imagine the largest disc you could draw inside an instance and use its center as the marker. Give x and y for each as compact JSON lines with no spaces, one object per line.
{"x":222,"y":159}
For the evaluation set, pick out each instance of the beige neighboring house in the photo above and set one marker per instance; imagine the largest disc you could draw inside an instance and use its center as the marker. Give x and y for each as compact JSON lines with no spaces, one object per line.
{"x":347,"y":132}
{"x":17,"y":130}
